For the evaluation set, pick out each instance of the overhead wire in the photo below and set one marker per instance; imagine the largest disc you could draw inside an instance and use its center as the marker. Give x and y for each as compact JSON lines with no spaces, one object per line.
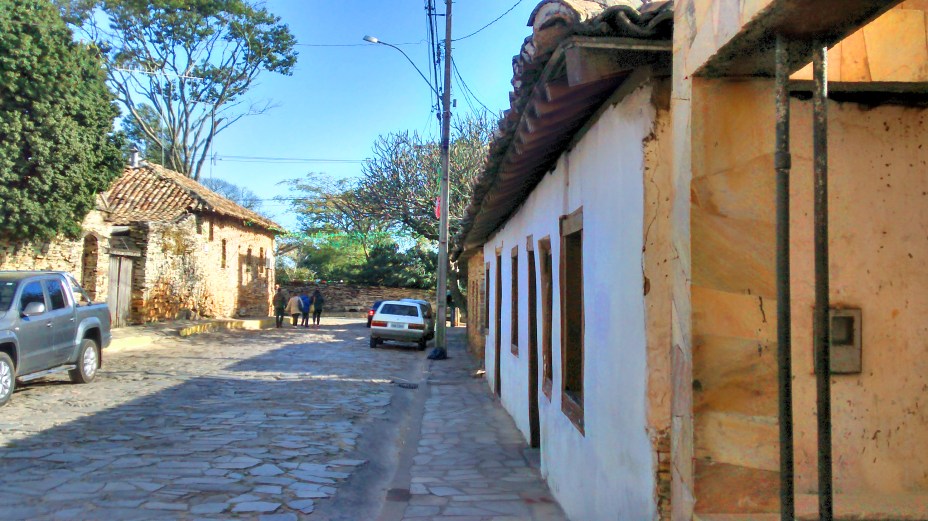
{"x":498,"y":18}
{"x":466,"y":88}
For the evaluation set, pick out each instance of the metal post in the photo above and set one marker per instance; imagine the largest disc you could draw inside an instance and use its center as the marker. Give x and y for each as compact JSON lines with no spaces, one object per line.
{"x":440,"y":351}
{"x":782,"y":164}
{"x":820,"y":329}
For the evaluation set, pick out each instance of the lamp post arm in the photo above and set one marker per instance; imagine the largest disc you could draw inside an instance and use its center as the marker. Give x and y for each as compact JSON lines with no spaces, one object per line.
{"x":414,"y":66}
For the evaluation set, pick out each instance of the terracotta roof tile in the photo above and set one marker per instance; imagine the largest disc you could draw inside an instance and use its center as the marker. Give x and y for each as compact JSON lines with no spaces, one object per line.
{"x":518,"y":156}
{"x":154,"y":193}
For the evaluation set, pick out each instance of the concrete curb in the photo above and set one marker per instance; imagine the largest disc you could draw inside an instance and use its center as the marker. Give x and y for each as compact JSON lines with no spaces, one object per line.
{"x":216,"y":325}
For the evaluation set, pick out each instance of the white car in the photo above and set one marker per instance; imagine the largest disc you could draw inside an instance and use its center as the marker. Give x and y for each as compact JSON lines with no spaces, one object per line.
{"x":399,"y":321}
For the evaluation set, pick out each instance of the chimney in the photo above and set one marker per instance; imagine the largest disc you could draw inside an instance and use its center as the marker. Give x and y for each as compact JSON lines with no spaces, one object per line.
{"x":134,"y":157}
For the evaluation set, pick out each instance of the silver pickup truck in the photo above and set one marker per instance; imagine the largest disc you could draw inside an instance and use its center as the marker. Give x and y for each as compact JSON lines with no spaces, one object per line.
{"x":48,"y":325}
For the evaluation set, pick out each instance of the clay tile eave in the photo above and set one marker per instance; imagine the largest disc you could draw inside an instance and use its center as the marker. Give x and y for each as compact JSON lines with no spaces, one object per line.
{"x":502,"y":187}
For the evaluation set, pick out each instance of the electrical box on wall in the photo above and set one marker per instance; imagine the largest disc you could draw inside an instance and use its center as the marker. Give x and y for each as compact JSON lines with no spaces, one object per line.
{"x":845,"y":340}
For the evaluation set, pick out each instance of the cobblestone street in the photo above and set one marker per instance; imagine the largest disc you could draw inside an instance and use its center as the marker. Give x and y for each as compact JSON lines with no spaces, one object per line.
{"x":232,"y":424}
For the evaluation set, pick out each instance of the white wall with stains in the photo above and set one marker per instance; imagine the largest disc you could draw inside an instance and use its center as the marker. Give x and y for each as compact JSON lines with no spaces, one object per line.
{"x":607,"y":472}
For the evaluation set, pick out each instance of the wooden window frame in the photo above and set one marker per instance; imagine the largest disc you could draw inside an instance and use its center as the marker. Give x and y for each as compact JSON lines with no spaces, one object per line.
{"x":514,"y":301}
{"x":572,"y":403}
{"x":547,"y":314}
{"x":486,"y":301}
{"x":498,"y":338}
{"x":223,"y":263}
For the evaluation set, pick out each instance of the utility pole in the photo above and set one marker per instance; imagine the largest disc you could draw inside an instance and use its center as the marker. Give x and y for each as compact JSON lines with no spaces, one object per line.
{"x":441,"y":347}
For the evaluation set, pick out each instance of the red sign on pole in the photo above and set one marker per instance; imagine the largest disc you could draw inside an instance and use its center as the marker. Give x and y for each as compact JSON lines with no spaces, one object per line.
{"x":438,"y":207}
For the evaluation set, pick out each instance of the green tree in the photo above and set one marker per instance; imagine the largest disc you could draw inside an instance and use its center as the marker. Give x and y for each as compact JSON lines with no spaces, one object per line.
{"x":233,"y":192}
{"x":57,"y":146}
{"x":334,"y":208}
{"x":400,"y":182}
{"x":192,"y":62}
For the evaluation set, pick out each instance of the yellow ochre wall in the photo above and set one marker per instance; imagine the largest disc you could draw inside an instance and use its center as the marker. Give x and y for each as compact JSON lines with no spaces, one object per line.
{"x":724,"y":413}
{"x":878,"y":246}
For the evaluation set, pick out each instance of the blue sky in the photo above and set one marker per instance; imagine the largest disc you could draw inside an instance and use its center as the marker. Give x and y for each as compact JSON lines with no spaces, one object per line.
{"x":339,"y":99}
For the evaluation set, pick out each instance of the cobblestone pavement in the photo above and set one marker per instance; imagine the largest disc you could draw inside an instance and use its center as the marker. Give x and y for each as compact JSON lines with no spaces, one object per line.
{"x":471,"y":463}
{"x":253,"y":425}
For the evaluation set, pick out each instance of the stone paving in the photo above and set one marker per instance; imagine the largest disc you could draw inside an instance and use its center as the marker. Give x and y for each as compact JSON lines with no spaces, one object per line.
{"x":253,"y":425}
{"x":470,"y":464}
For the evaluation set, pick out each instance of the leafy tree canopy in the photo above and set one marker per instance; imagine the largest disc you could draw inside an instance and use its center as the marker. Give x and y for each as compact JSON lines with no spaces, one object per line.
{"x":191,"y":62}
{"x":57,"y":146}
{"x":233,"y":192}
{"x":400,"y":182}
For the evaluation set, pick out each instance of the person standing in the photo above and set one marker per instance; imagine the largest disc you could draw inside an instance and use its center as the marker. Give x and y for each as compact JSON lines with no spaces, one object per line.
{"x":306,"y":305}
{"x":318,"y":303}
{"x":293,"y":309}
{"x":280,"y":304}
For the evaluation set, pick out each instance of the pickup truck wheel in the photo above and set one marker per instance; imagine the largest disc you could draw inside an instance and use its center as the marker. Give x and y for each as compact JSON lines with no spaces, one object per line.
{"x":7,"y":378}
{"x":87,"y":363}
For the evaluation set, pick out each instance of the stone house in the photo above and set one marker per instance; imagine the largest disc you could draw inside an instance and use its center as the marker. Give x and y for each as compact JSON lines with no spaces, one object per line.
{"x":161,"y":246}
{"x":621,"y":249}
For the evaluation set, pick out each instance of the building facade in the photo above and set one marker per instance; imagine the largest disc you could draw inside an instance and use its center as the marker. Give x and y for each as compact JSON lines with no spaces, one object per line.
{"x":160,"y":246}
{"x":623,"y":243}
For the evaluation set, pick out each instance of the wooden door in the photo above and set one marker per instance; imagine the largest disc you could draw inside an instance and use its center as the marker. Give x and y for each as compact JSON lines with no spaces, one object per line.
{"x":533,"y":413}
{"x":120,"y":290}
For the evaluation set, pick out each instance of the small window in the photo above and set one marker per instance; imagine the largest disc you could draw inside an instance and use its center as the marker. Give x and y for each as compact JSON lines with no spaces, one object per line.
{"x":547,"y":293}
{"x":223,"y":260}
{"x":55,"y":294}
{"x":7,"y":292}
{"x":32,"y":292}
{"x":211,"y":230}
{"x":514,"y":301}
{"x":261,"y":260}
{"x":572,"y":327}
{"x":248,"y":261}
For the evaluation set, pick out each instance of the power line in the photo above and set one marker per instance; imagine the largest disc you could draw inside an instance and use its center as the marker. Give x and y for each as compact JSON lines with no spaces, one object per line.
{"x":498,"y":18}
{"x":420,"y":42}
{"x":263,"y":159}
{"x":466,"y":88}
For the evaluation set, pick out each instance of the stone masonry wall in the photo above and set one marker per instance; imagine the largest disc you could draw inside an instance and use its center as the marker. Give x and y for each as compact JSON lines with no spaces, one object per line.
{"x":348,"y":298}
{"x":203,"y":266}
{"x":62,"y":254}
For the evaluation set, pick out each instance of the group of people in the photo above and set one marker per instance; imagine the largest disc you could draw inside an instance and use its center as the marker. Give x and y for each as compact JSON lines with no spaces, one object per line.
{"x":301,"y":307}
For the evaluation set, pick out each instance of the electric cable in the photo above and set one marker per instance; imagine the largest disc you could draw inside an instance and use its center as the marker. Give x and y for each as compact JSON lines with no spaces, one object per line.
{"x":498,"y":18}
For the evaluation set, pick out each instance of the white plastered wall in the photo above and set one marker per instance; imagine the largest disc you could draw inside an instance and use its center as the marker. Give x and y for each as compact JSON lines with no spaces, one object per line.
{"x":607,"y":473}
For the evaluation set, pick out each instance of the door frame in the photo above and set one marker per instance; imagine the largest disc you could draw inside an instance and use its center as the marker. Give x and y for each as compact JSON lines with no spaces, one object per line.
{"x":534,"y":415}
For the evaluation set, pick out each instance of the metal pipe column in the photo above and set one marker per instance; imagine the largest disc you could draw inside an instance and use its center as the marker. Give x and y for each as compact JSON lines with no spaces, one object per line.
{"x":820,"y":329}
{"x":782,"y":164}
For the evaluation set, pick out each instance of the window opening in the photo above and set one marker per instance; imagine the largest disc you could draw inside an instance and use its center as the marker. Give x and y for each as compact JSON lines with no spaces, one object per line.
{"x":514,"y":302}
{"x":572,"y":327}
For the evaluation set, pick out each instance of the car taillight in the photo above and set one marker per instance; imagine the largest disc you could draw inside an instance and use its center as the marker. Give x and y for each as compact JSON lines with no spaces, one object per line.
{"x":416,"y":326}
{"x":370,"y":312}
{"x":379,"y":323}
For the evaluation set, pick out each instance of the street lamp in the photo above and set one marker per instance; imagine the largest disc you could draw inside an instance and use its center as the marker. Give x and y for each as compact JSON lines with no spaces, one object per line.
{"x":373,"y":39}
{"x":441,"y":351}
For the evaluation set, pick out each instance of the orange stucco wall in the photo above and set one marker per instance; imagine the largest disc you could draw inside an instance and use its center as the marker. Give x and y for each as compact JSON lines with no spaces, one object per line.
{"x":723,"y":314}
{"x":879,"y":217}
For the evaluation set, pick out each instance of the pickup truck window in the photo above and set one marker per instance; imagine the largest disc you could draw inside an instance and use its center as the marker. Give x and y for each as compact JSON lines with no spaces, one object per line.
{"x":31,"y":293}
{"x":7,"y":292}
{"x":80,"y":297}
{"x":55,"y":294}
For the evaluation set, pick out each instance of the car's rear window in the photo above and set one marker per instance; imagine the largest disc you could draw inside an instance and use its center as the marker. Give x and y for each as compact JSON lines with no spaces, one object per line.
{"x":400,"y":310}
{"x":7,"y":291}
